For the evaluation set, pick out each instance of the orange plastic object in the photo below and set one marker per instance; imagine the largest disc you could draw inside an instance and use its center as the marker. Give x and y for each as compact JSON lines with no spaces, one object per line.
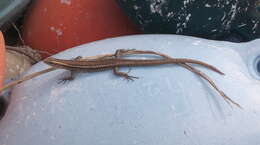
{"x":55,"y":25}
{"x":2,"y":59}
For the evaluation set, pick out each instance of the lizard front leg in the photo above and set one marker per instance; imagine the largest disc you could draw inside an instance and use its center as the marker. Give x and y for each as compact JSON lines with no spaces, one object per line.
{"x":71,"y":75}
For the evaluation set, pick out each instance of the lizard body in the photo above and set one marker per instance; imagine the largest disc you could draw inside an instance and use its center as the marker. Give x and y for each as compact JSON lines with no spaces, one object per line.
{"x":111,"y":63}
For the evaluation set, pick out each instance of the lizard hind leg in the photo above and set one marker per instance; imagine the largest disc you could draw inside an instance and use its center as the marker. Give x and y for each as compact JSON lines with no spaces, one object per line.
{"x":122,"y":52}
{"x":123,"y":74}
{"x":119,"y":53}
{"x":71,"y":75}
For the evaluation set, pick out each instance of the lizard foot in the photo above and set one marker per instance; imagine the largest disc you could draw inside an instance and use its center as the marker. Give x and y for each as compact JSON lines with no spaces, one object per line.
{"x":130,"y":78}
{"x":65,"y":80}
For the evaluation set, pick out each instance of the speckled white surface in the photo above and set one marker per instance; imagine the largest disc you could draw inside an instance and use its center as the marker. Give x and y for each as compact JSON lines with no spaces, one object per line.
{"x":167,"y":105}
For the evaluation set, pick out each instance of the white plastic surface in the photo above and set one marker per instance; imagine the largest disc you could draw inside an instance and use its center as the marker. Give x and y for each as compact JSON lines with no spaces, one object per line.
{"x":167,"y":105}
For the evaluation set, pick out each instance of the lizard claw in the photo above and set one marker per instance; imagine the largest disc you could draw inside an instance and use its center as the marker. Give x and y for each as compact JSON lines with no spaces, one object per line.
{"x":65,"y":80}
{"x":78,"y":58}
{"x":130,"y":78}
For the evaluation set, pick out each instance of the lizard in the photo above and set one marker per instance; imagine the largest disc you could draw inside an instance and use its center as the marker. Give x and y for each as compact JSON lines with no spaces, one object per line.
{"x":95,"y":65}
{"x":121,"y":52}
{"x":101,"y":64}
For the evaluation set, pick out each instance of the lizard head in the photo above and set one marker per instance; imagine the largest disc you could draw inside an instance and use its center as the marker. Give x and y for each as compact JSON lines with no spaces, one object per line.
{"x":54,"y":62}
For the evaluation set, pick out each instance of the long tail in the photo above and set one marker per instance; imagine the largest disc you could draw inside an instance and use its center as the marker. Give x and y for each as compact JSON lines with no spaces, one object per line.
{"x":193,"y":61}
{"x":129,"y":62}
{"x":184,"y":60}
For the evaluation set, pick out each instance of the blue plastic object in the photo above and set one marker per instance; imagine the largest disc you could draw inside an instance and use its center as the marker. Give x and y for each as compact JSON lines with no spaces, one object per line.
{"x":10,"y":8}
{"x":167,"y":105}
